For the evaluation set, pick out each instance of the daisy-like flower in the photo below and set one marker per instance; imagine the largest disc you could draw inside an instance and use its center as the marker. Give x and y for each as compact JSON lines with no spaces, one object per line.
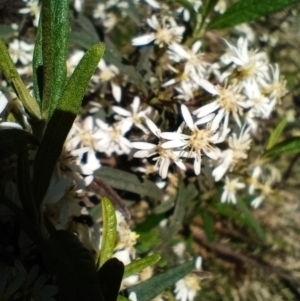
{"x":194,"y":62}
{"x":261,"y":106}
{"x":230,"y":189}
{"x":250,"y":65}
{"x":74,"y":60}
{"x":229,"y":102}
{"x":34,"y":9}
{"x":109,"y":73}
{"x":164,"y":34}
{"x":111,"y":139}
{"x":261,"y":180}
{"x":164,"y":156}
{"x":238,"y":150}
{"x":196,"y":143}
{"x":136,"y":117}
{"x":21,"y":51}
{"x":275,"y":86}
{"x":186,"y":289}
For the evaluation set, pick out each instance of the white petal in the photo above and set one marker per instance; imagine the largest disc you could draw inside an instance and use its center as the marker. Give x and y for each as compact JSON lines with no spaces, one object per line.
{"x":164,"y":167}
{"x":173,"y":136}
{"x":154,"y":129}
{"x":197,"y":165}
{"x":135,"y":104}
{"x":187,"y":117}
{"x":116,"y":91}
{"x":206,"y":85}
{"x":143,"y":145}
{"x":206,"y":109}
{"x":180,"y":164}
{"x":143,"y":40}
{"x":121,"y":111}
{"x":173,"y":144}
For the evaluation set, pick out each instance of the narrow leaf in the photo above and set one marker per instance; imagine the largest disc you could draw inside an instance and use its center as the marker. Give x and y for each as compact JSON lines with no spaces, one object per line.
{"x":33,"y":232}
{"x":152,"y":287}
{"x":62,"y":120}
{"x":73,"y":267}
{"x":289,"y":146}
{"x":248,"y":10}
{"x":25,"y":189}
{"x":12,"y":76}
{"x":129,"y":182}
{"x":138,"y":265}
{"x":110,"y":278}
{"x":251,"y":220}
{"x":14,"y":141}
{"x":276,"y":133}
{"x":109,"y":235}
{"x":56,"y":29}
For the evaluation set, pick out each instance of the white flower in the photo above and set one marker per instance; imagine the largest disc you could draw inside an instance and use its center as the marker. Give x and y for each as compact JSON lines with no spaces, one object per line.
{"x":165,"y":157}
{"x":274,"y":86}
{"x":165,"y":34}
{"x":229,"y":102}
{"x":34,"y":9}
{"x":262,"y":179}
{"x":194,"y":62}
{"x":230,"y":189}
{"x":21,"y":51}
{"x":136,"y":117}
{"x":238,"y":148}
{"x":261,"y":106}
{"x":251,"y":65}
{"x":197,"y":142}
{"x":111,"y":139}
{"x":109,"y":74}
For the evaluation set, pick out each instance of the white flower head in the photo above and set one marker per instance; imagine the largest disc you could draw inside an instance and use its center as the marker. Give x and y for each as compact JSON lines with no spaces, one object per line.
{"x":196,"y":143}
{"x":230,"y":189}
{"x":164,"y":34}
{"x":134,"y":117}
{"x":164,"y":157}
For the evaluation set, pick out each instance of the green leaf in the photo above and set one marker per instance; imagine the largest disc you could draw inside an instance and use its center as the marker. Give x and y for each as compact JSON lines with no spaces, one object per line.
{"x":109,"y":235}
{"x":87,"y":36}
{"x":73,"y":267}
{"x":248,"y":10}
{"x":25,"y":189}
{"x":12,"y":76}
{"x":243,"y":216}
{"x":14,"y":141}
{"x":184,"y":195}
{"x":149,"y":234}
{"x":129,"y":182}
{"x":110,"y":278}
{"x":149,"y":289}
{"x":208,"y":225}
{"x":55,"y":36}
{"x":62,"y":120}
{"x":250,"y":220}
{"x":138,"y":265}
{"x":289,"y":146}
{"x":276,"y":133}
{"x":33,"y":232}
{"x":207,"y":8}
